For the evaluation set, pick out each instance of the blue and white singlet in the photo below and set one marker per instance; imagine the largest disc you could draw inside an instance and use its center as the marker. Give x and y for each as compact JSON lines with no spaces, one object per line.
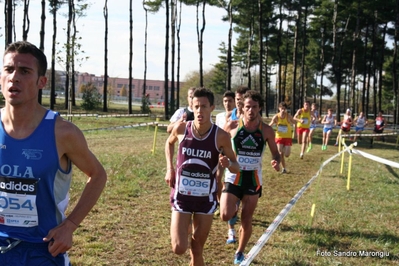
{"x":33,"y":187}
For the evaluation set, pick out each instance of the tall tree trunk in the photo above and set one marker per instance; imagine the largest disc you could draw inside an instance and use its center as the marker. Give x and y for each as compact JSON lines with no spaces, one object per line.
{"x":365,"y":107}
{"x":249,"y":50}
{"x":9,"y":21}
{"x":201,"y":60}
{"x":337,"y":58}
{"x":268,"y":81}
{"x":381,"y":65}
{"x":341,"y":46}
{"x":42,"y":24}
{"x":374,"y":69}
{"x":229,"y":45}
{"x":285,"y":74}
{"x":166,"y":63}
{"x":395,"y":84}
{"x":72,"y":94}
{"x":322,"y":63}
{"x":68,"y":55}
{"x":41,"y":46}
{"x":53,"y":51}
{"x":303,"y":64}
{"x":105,"y":12}
{"x":130,"y":57}
{"x":279,"y":42}
{"x":178,"y":57}
{"x":334,"y":63}
{"x":371,"y":68}
{"x":200,"y":37}
{"x":260,"y":12}
{"x":353,"y":105}
{"x":144,"y":102}
{"x":294,"y":63}
{"x":26,"y":21}
{"x":173,"y":9}
{"x":346,"y":96}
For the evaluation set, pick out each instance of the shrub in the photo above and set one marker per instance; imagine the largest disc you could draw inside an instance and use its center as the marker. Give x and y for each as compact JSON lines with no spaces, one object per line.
{"x":91,"y":97}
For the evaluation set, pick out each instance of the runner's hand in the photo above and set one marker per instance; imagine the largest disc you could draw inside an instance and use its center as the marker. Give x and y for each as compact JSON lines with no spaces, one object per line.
{"x":60,"y":238}
{"x":170,"y":177}
{"x":224,"y":161}
{"x":275,"y":165}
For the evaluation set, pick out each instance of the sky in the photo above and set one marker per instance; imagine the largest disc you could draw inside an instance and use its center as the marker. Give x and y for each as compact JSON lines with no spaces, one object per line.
{"x":91,"y":29}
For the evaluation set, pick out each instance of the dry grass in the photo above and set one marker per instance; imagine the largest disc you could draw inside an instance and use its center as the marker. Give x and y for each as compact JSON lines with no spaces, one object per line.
{"x":130,"y":223}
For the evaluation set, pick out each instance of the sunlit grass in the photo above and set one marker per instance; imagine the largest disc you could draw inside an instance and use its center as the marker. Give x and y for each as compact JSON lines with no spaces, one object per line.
{"x":130,"y":223}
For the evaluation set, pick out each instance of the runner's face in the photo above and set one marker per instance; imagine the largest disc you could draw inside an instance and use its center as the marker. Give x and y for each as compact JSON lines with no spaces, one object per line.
{"x":251,"y":109}
{"x":202,"y":109}
{"x":238,"y":98}
{"x":190,"y":98}
{"x":306,"y":106}
{"x":228,"y":103}
{"x":282,"y":110}
{"x":20,"y":80}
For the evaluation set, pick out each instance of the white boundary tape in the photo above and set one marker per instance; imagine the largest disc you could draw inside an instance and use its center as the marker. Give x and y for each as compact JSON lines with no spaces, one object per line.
{"x":101,"y":116}
{"x":128,"y":126}
{"x":280,"y":217}
{"x":369,"y":135}
{"x":390,"y":126}
{"x":377,"y":159}
{"x":373,"y":157}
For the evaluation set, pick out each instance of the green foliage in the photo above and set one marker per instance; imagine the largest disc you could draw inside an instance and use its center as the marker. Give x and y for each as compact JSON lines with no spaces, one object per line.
{"x":153,"y":6}
{"x":218,"y":82}
{"x":91,"y":97}
{"x":145,"y":105}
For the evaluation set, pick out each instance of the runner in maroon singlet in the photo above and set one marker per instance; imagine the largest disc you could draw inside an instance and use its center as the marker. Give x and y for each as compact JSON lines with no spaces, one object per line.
{"x":193,"y":181}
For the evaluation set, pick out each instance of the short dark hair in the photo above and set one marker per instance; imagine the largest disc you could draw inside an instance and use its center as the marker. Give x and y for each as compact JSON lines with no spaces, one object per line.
{"x":23,"y":47}
{"x":229,"y":94}
{"x":242,"y":89}
{"x":204,"y":92}
{"x":255,"y":96}
{"x":283,"y":104}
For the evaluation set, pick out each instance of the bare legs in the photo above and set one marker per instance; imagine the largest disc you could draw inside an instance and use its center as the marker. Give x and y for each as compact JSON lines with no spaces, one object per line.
{"x":284,"y":151}
{"x":228,"y":209}
{"x":180,"y":223}
{"x":303,"y":139}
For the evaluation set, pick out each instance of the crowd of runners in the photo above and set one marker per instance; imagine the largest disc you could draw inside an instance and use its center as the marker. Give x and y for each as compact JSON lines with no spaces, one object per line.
{"x":204,"y":184}
{"x":41,"y":147}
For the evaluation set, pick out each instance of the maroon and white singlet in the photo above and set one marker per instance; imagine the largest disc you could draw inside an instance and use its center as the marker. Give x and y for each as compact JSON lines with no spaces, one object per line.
{"x":195,"y":189}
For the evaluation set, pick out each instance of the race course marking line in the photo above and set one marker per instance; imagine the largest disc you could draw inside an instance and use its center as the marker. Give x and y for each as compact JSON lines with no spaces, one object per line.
{"x":280,"y":217}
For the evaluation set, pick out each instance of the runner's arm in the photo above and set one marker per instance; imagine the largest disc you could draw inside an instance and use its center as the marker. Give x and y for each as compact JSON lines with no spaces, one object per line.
{"x":273,"y":121}
{"x":268,"y":135}
{"x":169,"y":152}
{"x":227,"y":157}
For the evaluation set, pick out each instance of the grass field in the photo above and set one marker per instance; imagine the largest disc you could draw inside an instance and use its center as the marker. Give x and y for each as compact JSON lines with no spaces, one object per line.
{"x":130,"y":223}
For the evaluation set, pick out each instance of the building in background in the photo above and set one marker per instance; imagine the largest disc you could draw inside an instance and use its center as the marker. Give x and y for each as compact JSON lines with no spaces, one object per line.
{"x":118,"y":88}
